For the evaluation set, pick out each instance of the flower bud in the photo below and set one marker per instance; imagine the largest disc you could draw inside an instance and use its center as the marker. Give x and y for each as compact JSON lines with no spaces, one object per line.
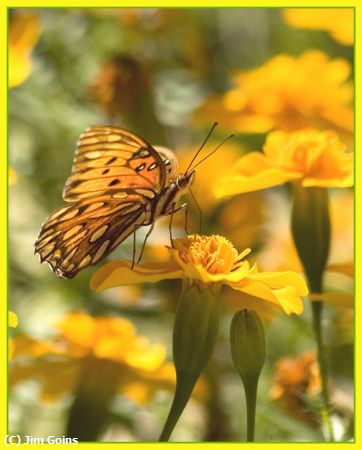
{"x":247,"y":342}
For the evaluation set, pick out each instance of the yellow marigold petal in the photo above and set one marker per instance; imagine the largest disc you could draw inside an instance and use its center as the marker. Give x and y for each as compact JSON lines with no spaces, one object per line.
{"x":340,"y":299}
{"x":137,"y":391}
{"x":238,"y":184}
{"x":25,"y":346}
{"x":236,"y":300}
{"x":277,"y":280}
{"x":254,"y":171}
{"x":329,"y":182}
{"x":198,"y":272}
{"x":337,"y":21}
{"x":287,"y":298}
{"x":20,"y":69}
{"x":80,"y":329}
{"x":119,"y":273}
{"x":11,"y":348}
{"x":145,"y":356}
{"x":283,"y":289}
{"x":345,"y":269}
{"x":140,"y":386}
{"x":12,"y":319}
{"x":23,"y":35}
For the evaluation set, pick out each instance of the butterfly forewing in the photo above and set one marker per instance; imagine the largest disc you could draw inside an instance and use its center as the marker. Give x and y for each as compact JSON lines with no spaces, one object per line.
{"x":109,"y":158}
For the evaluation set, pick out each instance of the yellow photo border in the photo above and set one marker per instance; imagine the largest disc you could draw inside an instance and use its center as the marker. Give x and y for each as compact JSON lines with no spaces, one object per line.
{"x":5,"y":295}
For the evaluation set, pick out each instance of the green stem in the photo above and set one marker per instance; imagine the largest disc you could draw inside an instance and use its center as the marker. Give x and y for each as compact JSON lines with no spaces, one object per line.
{"x":182,"y":395}
{"x":251,"y":389}
{"x":317,"y":309}
{"x":311,"y":230}
{"x":89,"y":412}
{"x":247,"y":341}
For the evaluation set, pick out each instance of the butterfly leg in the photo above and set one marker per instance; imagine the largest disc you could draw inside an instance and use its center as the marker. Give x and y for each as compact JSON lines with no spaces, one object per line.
{"x":170,"y":224}
{"x":172,"y":212}
{"x":186,"y":217}
{"x":134,"y":250}
{"x":144,"y":242}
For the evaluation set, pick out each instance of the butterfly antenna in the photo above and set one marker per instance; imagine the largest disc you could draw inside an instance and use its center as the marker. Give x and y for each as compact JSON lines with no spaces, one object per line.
{"x":202,"y":146}
{"x":211,"y":153}
{"x":198,"y":207}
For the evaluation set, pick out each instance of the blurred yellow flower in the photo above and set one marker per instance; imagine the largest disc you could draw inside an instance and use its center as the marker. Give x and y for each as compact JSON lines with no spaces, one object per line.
{"x":13,"y":323}
{"x":295,"y":379}
{"x":339,"y":22}
{"x":241,"y":219}
{"x":211,"y":169}
{"x":23,"y":35}
{"x":13,"y":319}
{"x":315,"y":158}
{"x":12,"y":176}
{"x":111,"y":338}
{"x":209,"y":261}
{"x":288,"y":93}
{"x":86,"y":341}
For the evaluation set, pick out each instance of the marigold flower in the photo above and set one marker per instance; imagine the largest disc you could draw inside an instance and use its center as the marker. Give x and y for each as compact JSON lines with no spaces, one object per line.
{"x":287,"y":93}
{"x":23,"y":35}
{"x":315,"y":158}
{"x":209,"y":261}
{"x":84,"y":339}
{"x":339,"y":22}
{"x":294,"y":379}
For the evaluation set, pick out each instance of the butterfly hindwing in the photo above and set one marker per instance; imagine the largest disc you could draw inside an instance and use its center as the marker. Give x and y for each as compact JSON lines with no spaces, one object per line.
{"x":82,"y":234}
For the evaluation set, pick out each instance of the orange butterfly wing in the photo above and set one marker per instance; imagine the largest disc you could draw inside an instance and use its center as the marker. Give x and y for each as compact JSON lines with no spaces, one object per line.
{"x":80,"y":235}
{"x":115,"y":176}
{"x":109,"y":159}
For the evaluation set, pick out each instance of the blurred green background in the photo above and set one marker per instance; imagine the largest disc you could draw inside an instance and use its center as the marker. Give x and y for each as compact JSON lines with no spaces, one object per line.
{"x":150,"y":70}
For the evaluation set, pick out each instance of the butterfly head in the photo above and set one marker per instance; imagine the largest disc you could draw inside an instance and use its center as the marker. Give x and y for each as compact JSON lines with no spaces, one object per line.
{"x":185,"y":180}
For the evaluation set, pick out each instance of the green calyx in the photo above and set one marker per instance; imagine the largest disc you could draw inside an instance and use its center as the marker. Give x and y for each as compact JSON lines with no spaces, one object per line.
{"x":194,"y":337}
{"x":311,"y":231}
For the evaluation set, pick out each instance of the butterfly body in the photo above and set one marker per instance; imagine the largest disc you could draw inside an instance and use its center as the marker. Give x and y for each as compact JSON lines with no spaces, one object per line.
{"x":118,"y":184}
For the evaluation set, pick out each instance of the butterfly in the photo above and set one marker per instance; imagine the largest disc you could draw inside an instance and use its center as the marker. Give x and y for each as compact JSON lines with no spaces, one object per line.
{"x":118,"y":184}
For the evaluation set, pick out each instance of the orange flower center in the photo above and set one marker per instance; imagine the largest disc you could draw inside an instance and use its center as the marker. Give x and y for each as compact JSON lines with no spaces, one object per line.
{"x":215,"y":253}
